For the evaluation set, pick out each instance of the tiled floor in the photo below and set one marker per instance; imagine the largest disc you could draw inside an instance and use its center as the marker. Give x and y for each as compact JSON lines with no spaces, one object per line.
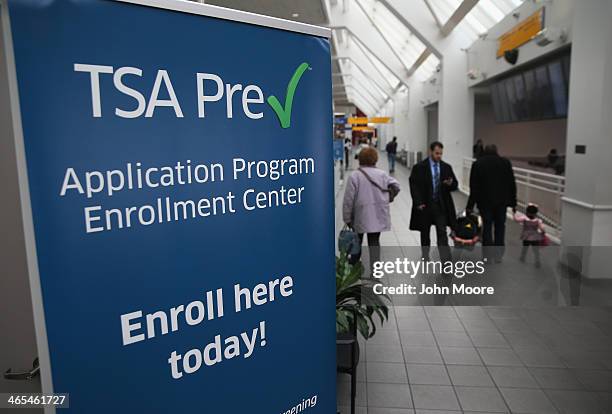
{"x":433,"y":360}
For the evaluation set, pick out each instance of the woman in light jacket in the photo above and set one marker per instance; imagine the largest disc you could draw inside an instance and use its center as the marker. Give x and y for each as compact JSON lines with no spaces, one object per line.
{"x":366,"y":203}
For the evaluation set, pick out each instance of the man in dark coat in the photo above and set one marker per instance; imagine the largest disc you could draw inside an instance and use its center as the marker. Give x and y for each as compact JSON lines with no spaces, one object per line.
{"x":391,"y":149}
{"x":493,"y":190}
{"x":431,"y":183}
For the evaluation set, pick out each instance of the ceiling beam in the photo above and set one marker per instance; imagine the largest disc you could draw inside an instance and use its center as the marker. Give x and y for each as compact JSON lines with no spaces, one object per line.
{"x":426,"y":53}
{"x":433,"y":13}
{"x":464,"y":8}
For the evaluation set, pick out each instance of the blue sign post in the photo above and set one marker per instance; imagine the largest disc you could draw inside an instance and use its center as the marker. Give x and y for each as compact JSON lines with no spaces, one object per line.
{"x":178,"y":182}
{"x":338,"y":149}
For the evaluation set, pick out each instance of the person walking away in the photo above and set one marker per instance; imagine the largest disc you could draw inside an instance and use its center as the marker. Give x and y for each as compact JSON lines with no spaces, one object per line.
{"x":347,"y":152}
{"x":391,"y":149}
{"x":478,"y":149}
{"x":532,"y":233}
{"x":431,"y":183}
{"x":365,"y":208}
{"x":492,"y":190}
{"x":363,"y":143}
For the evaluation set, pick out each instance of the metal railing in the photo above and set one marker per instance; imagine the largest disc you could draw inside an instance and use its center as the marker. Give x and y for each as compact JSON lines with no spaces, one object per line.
{"x":537,"y":187}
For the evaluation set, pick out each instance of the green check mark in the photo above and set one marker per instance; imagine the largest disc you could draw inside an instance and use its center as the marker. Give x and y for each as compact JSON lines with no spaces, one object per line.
{"x":284,"y":113}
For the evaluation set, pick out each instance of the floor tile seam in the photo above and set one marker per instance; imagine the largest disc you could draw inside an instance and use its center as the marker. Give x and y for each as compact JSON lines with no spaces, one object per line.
{"x":443,"y":361}
{"x":405,"y":363}
{"x":487,"y":370}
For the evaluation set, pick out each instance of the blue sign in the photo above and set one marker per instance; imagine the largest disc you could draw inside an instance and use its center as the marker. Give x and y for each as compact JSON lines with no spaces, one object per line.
{"x":181,"y":186}
{"x":340,"y":120}
{"x":338,"y":149}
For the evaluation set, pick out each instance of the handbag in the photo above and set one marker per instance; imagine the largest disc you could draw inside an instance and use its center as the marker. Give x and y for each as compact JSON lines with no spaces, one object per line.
{"x":392,"y":189}
{"x":348,"y":241}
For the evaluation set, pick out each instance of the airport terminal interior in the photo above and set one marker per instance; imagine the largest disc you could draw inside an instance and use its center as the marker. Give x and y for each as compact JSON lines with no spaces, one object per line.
{"x":434,"y":70}
{"x":531,"y":79}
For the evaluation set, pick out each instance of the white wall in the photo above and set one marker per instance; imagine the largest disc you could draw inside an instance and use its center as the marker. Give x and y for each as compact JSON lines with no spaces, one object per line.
{"x":409,"y":123}
{"x":431,"y":90}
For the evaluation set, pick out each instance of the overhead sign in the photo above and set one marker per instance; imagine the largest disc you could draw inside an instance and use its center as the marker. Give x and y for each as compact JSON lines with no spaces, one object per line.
{"x":364,"y":120}
{"x":357,"y":120}
{"x":521,"y":33}
{"x":380,"y":120}
{"x":363,"y":129}
{"x":174,"y":185}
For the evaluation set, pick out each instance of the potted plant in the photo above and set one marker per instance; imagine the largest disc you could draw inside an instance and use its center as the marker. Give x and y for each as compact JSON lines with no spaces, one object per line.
{"x":356,"y":308}
{"x":356,"y":302}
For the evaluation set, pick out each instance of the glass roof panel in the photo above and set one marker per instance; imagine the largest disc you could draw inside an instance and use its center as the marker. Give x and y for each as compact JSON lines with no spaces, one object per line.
{"x":408,"y":48}
{"x":360,"y":81}
{"x":358,"y":99}
{"x":484,"y":15}
{"x":372,"y":85}
{"x":362,"y":85}
{"x":444,"y":9}
{"x":405,"y":45}
{"x":378,"y":65}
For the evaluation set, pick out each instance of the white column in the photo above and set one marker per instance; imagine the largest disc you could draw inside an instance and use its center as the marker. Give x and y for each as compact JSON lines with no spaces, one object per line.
{"x":456,"y":109}
{"x":417,"y":118}
{"x":587,"y":205}
{"x":456,"y":104}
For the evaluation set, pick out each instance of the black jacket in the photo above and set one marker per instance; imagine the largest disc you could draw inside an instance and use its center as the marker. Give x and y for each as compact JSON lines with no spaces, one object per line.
{"x":492,"y":183}
{"x":421,"y":190}
{"x":391,"y":147}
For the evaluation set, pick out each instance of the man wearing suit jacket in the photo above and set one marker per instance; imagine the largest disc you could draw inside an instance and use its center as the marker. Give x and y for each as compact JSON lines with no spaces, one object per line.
{"x":431,"y":183}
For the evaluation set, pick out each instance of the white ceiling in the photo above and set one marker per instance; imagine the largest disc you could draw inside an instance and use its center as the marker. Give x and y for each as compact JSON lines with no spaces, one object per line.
{"x":309,"y":11}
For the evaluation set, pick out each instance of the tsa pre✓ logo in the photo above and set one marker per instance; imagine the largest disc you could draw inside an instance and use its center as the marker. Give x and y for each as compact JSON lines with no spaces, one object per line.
{"x":210,"y":88}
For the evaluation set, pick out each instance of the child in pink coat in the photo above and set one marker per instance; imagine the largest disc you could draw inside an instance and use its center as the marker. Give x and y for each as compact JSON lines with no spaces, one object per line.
{"x":532,"y":233}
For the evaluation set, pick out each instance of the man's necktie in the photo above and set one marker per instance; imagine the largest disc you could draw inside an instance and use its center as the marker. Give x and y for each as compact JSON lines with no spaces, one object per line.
{"x":436,"y":181}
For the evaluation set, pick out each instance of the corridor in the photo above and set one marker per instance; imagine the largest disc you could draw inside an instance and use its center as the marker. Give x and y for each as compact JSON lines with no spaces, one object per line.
{"x":472,"y":359}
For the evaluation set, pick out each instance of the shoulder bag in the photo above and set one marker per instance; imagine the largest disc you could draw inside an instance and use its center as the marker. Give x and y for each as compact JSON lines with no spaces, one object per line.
{"x":392,"y":190}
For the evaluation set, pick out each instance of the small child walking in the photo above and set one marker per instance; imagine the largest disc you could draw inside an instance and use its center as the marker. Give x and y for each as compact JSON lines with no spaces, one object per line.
{"x":533,"y":232}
